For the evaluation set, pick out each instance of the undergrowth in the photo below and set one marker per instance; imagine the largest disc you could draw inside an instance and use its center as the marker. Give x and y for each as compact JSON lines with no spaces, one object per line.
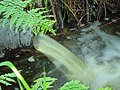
{"x":7,"y":79}
{"x":43,"y":83}
{"x":36,"y":19}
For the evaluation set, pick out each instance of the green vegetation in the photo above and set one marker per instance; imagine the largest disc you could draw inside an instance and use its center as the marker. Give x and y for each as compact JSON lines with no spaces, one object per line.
{"x":41,"y":83}
{"x":7,"y":78}
{"x":78,"y":11}
{"x":35,"y":19}
{"x":105,"y":88}
{"x":74,"y":85}
{"x":38,"y":20}
{"x":19,"y":76}
{"x":36,"y":14}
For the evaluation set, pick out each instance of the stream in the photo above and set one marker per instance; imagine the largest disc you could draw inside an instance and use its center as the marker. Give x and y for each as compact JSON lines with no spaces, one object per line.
{"x":96,"y":47}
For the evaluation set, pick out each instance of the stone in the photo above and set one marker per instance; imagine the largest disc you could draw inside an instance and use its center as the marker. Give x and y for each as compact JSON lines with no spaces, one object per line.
{"x":31,"y":59}
{"x":114,"y":20}
{"x":68,"y":37}
{"x":106,"y":19}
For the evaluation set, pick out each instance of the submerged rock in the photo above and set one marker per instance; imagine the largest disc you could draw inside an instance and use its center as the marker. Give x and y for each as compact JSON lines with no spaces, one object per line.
{"x":68,"y":37}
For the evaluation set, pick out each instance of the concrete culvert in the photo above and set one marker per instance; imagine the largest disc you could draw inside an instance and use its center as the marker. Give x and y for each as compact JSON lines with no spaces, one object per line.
{"x":13,"y":39}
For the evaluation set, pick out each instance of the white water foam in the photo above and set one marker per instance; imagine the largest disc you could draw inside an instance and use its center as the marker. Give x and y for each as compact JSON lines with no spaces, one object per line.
{"x":102,"y":68}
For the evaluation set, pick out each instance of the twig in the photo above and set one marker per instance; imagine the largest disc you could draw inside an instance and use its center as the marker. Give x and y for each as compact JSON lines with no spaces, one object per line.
{"x":105,"y":8}
{"x":87,"y":10}
{"x":53,"y":9}
{"x":109,"y":23}
{"x":70,"y":10}
{"x":79,"y":22}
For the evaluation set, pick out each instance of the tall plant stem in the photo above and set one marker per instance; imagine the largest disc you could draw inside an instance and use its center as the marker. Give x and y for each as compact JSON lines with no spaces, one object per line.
{"x":87,"y":10}
{"x":19,"y":76}
{"x":53,"y":9}
{"x":70,"y":10}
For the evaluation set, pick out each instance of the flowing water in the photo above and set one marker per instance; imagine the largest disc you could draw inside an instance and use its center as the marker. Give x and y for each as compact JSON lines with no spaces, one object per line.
{"x":99,"y":68}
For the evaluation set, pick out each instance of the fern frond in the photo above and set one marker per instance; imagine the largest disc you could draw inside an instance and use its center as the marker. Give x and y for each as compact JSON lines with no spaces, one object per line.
{"x":13,"y":20}
{"x":39,"y":83}
{"x":7,"y":79}
{"x":74,"y":85}
{"x":35,"y":19}
{"x":19,"y":20}
{"x":107,"y":88}
{"x":2,"y":9}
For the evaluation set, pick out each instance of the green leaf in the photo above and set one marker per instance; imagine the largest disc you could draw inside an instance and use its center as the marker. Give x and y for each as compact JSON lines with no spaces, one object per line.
{"x":24,"y":27}
{"x":36,"y":19}
{"x":18,"y":75}
{"x":2,"y":9}
{"x":25,"y":3}
{"x":10,"y":75}
{"x":20,"y":84}
{"x":13,"y":20}
{"x":48,"y":16}
{"x":7,"y":15}
{"x":105,"y":88}
{"x":39,"y":83}
{"x":7,"y":78}
{"x":5,"y":82}
{"x":0,"y":88}
{"x":34,"y":10}
{"x":19,"y":21}
{"x":74,"y":85}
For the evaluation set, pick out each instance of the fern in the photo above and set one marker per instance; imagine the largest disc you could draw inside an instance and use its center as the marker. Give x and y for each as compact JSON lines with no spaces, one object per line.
{"x":7,"y":79}
{"x":74,"y":85}
{"x":105,"y":88}
{"x":39,"y":83}
{"x":35,"y":19}
{"x":16,"y":72}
